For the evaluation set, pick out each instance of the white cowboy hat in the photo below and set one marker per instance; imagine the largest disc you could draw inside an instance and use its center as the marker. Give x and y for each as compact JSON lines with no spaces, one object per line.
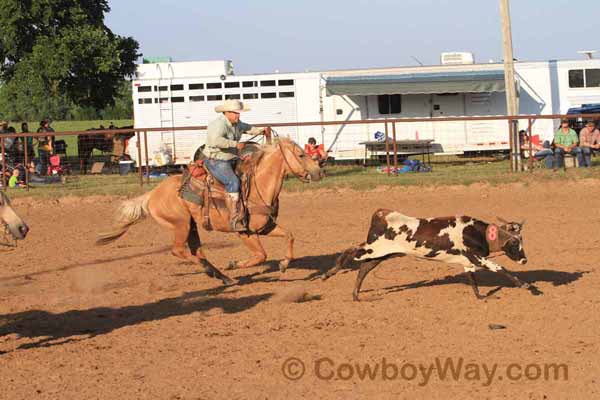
{"x":233,"y":106}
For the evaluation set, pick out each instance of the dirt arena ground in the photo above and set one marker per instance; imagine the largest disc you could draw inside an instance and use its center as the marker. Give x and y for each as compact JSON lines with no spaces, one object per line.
{"x":130,"y":321}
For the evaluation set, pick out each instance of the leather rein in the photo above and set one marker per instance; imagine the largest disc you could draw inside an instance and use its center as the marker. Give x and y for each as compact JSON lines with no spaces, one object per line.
{"x":271,"y":208}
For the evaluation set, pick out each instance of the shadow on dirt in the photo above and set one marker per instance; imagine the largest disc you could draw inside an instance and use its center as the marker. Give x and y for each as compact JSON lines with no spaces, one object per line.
{"x":318,"y":264}
{"x":491,"y":279}
{"x":97,"y":262}
{"x":61,"y":328}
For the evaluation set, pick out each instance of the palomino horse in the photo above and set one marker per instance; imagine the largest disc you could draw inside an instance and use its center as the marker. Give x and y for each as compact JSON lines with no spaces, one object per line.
{"x":268,"y":172}
{"x":9,"y":219}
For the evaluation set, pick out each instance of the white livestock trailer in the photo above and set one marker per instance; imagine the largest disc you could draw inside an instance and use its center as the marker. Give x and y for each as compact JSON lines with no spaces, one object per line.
{"x":178,"y":94}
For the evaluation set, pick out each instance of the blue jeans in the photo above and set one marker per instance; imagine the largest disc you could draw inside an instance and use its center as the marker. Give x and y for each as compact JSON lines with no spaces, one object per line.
{"x":223,"y":171}
{"x":560,"y":156}
{"x":546,"y":154}
{"x":586,"y":153}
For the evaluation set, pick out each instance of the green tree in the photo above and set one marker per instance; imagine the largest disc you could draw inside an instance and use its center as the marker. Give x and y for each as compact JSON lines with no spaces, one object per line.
{"x":55,"y":54}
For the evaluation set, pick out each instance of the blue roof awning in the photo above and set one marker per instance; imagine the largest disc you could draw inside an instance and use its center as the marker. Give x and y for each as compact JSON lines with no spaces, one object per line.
{"x":420,"y":83}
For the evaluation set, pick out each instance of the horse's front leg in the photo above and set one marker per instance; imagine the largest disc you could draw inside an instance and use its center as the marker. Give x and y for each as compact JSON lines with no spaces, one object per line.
{"x":259,"y":255}
{"x":278,"y":231}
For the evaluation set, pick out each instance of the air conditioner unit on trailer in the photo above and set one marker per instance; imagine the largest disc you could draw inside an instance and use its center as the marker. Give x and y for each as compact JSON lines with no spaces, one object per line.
{"x":457,"y":58}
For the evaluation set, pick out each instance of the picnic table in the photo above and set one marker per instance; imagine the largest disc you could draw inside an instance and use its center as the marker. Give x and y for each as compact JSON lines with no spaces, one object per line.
{"x":404,"y":148}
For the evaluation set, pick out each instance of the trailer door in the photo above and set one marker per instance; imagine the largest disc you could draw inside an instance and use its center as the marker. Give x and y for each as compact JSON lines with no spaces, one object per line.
{"x":450,"y":135}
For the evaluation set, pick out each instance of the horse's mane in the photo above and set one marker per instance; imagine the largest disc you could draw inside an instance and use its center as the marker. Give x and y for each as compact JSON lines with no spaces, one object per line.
{"x":259,"y":151}
{"x":269,"y":148}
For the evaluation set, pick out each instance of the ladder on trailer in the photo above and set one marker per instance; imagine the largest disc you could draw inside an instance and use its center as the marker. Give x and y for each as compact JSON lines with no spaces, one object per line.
{"x":167,"y":117}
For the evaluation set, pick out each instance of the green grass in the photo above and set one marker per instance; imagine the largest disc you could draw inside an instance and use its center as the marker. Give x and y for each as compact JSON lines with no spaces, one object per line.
{"x":357,"y":178}
{"x":88,"y":185}
{"x":494,"y":173}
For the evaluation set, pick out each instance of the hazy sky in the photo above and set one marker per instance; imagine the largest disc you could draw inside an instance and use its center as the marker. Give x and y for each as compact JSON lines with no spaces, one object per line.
{"x":265,"y":35}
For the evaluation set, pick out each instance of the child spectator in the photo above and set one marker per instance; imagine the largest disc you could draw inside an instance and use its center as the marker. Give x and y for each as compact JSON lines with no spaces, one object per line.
{"x":315,"y":152}
{"x":14,"y":181}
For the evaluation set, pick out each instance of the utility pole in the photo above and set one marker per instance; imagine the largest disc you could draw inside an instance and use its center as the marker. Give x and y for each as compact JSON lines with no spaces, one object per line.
{"x":509,"y":82}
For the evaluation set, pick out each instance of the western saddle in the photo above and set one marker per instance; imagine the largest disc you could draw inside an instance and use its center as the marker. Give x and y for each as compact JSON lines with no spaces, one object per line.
{"x":198,"y":186}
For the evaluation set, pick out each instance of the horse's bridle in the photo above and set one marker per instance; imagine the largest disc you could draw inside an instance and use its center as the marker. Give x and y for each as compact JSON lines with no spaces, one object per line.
{"x":302,"y":178}
{"x":271,"y":208}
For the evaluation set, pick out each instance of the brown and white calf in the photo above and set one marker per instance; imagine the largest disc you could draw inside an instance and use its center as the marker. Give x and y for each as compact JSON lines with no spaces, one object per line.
{"x":455,"y":240}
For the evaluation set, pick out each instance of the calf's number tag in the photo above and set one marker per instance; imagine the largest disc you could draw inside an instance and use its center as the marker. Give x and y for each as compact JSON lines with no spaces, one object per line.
{"x":492,"y":233}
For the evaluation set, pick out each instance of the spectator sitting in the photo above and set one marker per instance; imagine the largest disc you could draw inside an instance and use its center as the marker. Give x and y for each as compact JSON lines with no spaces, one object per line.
{"x":565,"y":141}
{"x":540,"y":152}
{"x":589,"y":139}
{"x":315,"y":152}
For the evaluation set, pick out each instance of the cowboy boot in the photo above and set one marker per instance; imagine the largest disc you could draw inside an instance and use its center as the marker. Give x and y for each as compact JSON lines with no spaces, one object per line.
{"x":236,"y":223}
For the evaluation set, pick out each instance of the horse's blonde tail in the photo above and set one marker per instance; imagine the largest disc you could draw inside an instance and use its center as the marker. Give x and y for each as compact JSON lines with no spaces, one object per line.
{"x":130,"y":213}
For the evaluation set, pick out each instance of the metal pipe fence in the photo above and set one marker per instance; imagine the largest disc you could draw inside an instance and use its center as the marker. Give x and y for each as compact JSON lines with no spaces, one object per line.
{"x":391,"y":149}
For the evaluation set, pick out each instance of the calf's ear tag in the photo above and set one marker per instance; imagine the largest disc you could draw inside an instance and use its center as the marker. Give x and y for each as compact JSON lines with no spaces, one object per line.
{"x":491,"y":233}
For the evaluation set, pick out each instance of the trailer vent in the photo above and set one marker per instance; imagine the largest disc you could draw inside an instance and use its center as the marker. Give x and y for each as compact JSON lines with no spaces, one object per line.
{"x":457,"y":58}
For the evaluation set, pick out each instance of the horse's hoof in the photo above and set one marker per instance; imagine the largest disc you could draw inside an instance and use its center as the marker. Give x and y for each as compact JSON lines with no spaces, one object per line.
{"x":228,"y":282}
{"x":324,"y":277}
{"x":283,"y":265}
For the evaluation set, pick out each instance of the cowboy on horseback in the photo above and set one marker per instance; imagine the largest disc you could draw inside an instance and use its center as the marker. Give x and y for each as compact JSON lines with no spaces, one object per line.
{"x":222,"y":148}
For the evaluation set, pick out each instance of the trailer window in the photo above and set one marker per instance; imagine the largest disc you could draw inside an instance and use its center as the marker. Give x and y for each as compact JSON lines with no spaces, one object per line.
{"x":196,"y":86}
{"x":286,"y":94}
{"x":250,"y":84}
{"x":216,"y":97}
{"x":267,"y":83}
{"x":592,"y":77}
{"x":249,"y":96}
{"x":576,"y":78}
{"x":286,"y":82}
{"x":232,"y":84}
{"x":270,"y":95}
{"x":389,"y":104}
{"x":195,"y":99}
{"x":145,"y":101}
{"x":144,"y":89}
{"x":215,"y":85}
{"x":177,"y":99}
{"x":232,"y":96}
